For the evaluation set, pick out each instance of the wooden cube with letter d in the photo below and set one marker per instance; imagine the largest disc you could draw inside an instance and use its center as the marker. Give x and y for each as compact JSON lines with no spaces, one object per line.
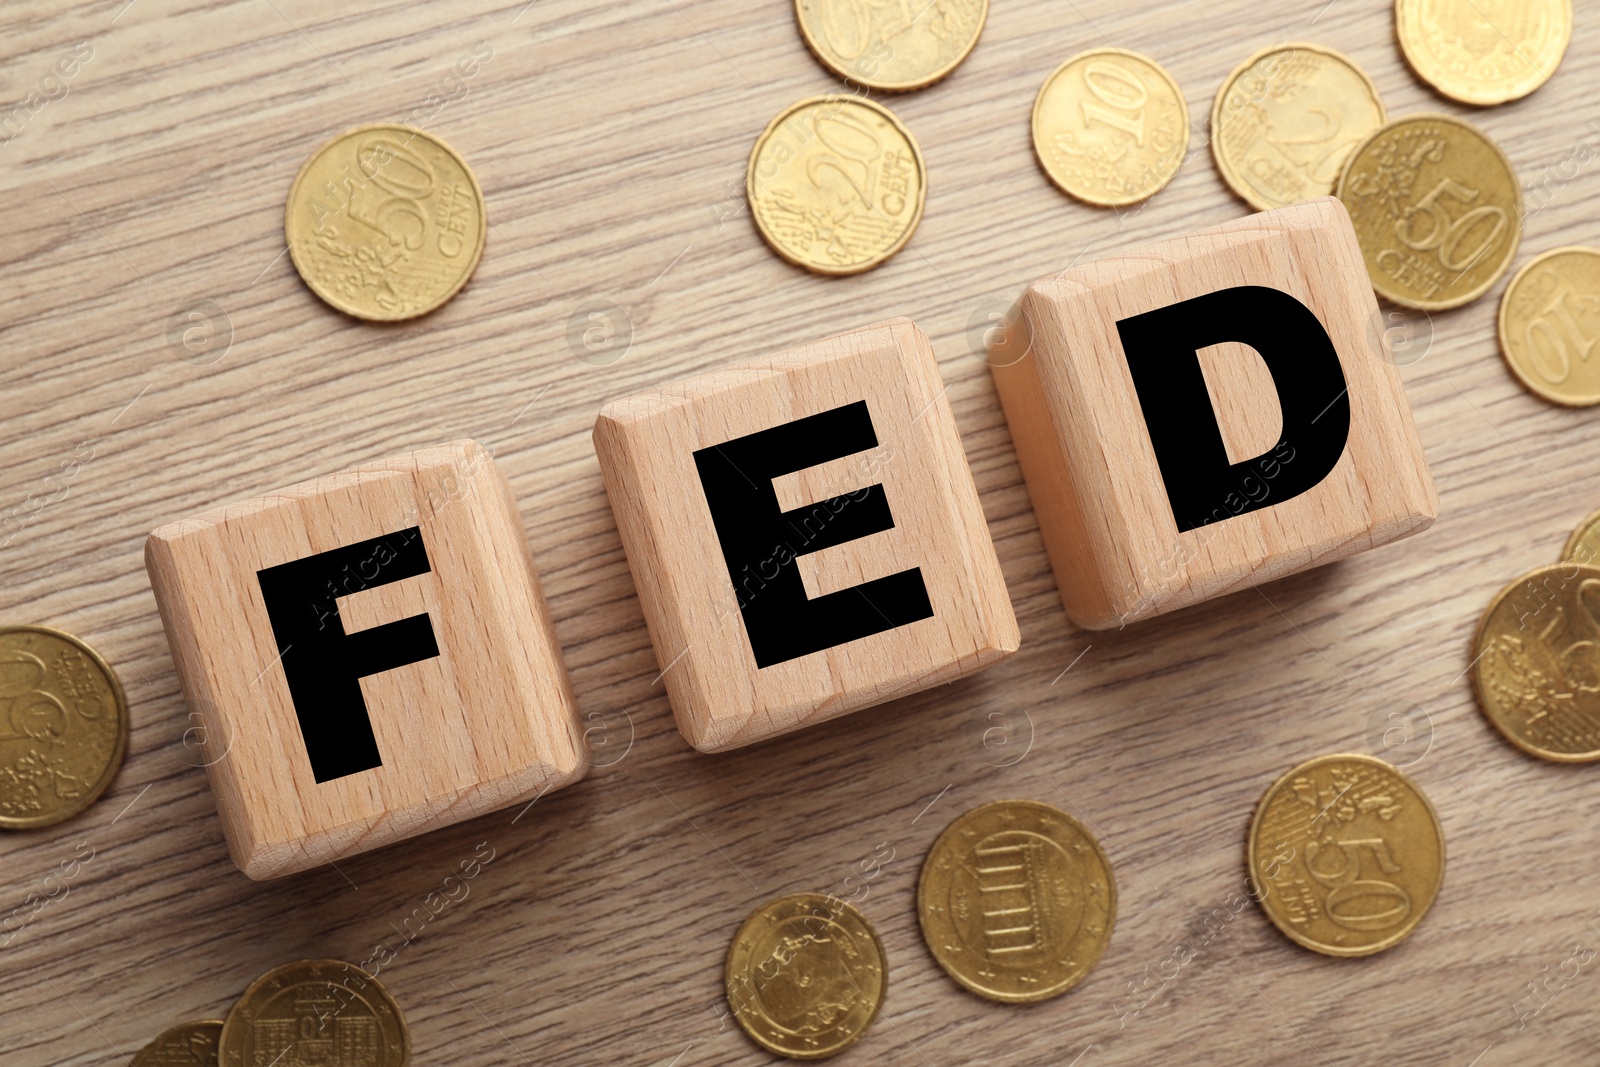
{"x":805,"y":535}
{"x":368,"y":655}
{"x":1209,"y":413}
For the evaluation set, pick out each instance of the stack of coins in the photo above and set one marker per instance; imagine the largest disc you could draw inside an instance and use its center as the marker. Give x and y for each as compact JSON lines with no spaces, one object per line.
{"x":66,"y":729}
{"x":1536,"y":655}
{"x":324,"y":1011}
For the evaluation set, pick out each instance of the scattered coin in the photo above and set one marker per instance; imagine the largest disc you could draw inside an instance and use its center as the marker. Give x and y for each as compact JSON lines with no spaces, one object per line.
{"x":806,"y":976}
{"x":1110,"y":127}
{"x":895,"y":47}
{"x":1536,"y":662}
{"x":1484,"y":52}
{"x":1017,"y":901}
{"x":327,"y":1011}
{"x":1549,"y":323}
{"x":1285,"y":121}
{"x":63,"y":726}
{"x":1437,"y":208}
{"x":1584,"y":544}
{"x":192,"y":1044}
{"x":1348,"y":855}
{"x":385,"y":222}
{"x":836,"y":184}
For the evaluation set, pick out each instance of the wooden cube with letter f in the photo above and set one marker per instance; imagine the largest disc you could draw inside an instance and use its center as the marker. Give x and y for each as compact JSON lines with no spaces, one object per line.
{"x":805,"y":535}
{"x":369,"y":656}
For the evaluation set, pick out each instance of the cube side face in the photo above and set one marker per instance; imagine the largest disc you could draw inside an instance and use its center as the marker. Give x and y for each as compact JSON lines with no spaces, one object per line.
{"x":430,"y":585}
{"x":1115,"y":542}
{"x":697,"y":476}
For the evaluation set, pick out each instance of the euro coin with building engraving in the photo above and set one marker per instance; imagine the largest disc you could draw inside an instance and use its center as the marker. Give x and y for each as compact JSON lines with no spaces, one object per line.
{"x":1110,"y":127}
{"x":315,"y":1011}
{"x":806,"y":975}
{"x":1285,"y":121}
{"x":893,"y":47}
{"x":385,"y":222}
{"x":1550,"y":323}
{"x":192,"y":1044}
{"x":1584,"y":544}
{"x":836,"y":184}
{"x":1437,"y":208}
{"x":63,"y":726}
{"x":1017,"y":901}
{"x":1536,"y":662}
{"x":1484,"y":52}
{"x":1346,"y":854}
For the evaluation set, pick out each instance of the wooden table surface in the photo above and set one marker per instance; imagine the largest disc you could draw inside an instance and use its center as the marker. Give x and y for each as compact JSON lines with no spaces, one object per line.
{"x":610,"y":141}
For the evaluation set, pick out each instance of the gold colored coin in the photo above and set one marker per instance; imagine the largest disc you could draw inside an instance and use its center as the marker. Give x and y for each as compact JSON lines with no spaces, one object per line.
{"x":1110,"y":127}
{"x":1550,"y":322}
{"x":1347,"y":855}
{"x":836,"y":184}
{"x":63,"y":726}
{"x":806,"y":976}
{"x":1584,"y":544}
{"x":1285,"y":121}
{"x":326,"y":1011}
{"x":893,"y":46}
{"x":1536,"y":662}
{"x":385,"y":222}
{"x":1484,"y":52}
{"x":1017,"y":901}
{"x":192,"y":1044}
{"x":1437,"y":208}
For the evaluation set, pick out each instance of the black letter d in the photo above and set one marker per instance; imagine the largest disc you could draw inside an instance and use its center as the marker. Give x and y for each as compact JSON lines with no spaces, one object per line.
{"x":1161,"y":347}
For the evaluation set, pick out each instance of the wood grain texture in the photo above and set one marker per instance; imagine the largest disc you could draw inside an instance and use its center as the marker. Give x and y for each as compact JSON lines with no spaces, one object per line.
{"x":610,"y":140}
{"x":488,"y":719}
{"x":702,"y":610}
{"x":1084,"y":439}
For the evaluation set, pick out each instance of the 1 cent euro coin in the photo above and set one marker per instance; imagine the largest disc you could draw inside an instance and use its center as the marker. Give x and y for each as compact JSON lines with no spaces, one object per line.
{"x":1017,"y":901}
{"x":1347,"y":855}
{"x":63,"y":726}
{"x":385,"y":222}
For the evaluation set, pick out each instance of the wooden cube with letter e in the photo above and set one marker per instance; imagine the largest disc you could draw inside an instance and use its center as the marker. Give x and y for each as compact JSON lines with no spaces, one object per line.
{"x":1210,"y":413}
{"x":805,"y":535}
{"x":369,"y":654}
